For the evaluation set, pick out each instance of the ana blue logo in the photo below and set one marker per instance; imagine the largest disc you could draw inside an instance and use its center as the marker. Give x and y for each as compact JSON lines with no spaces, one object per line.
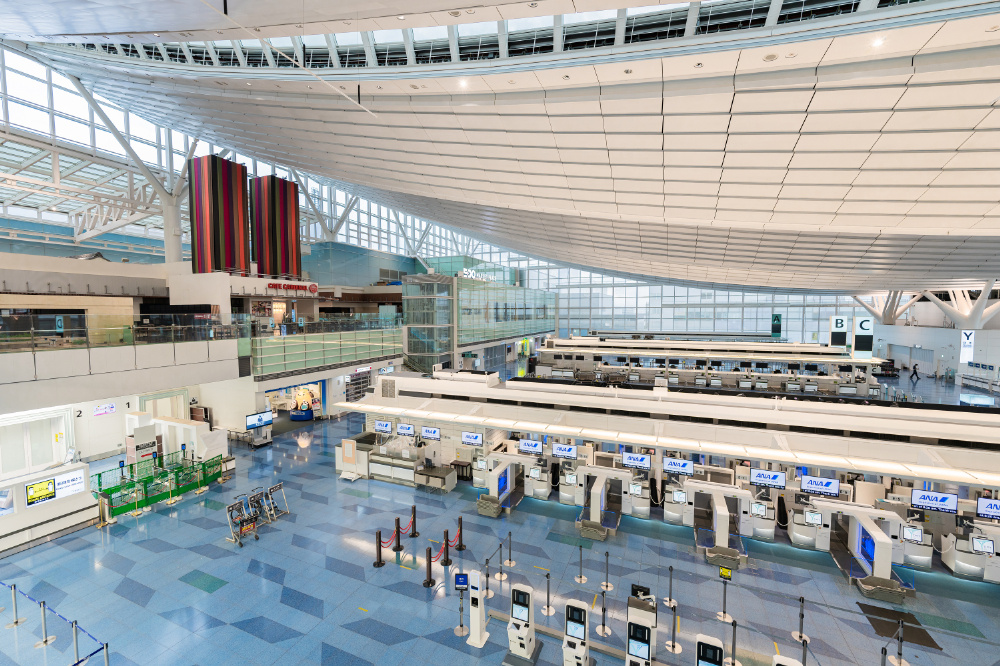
{"x":932,"y":498}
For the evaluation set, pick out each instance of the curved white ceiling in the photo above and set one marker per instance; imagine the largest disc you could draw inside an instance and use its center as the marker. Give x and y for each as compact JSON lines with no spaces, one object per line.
{"x":858,"y":162}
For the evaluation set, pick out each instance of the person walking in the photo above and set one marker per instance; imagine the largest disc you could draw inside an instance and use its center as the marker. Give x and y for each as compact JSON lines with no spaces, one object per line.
{"x":914,"y":373}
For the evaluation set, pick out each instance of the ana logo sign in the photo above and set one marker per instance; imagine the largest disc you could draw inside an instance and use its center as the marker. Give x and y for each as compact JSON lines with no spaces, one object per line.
{"x":636,"y":460}
{"x":820,"y":486}
{"x":430,"y":433}
{"x":988,"y":508}
{"x":766,"y":478}
{"x":472,"y":438}
{"x":530,"y":446}
{"x":678,"y":466}
{"x":404,"y":429}
{"x":564,"y":451}
{"x":383,"y":427}
{"x":932,"y":501}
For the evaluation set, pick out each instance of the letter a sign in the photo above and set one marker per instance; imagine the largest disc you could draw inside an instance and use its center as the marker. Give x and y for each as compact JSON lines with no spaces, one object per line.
{"x":776,"y":326}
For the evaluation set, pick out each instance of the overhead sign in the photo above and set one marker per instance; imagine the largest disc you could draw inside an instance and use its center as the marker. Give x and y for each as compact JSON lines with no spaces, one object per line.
{"x":932,"y":501}
{"x":864,"y":337}
{"x":988,"y":508}
{"x":838,"y":331}
{"x":968,"y":347}
{"x":472,"y":438}
{"x":564,"y":451}
{"x":678,"y":466}
{"x":768,"y":479}
{"x":287,"y":286}
{"x":384,"y":427}
{"x":430,"y":433}
{"x":776,"y":326}
{"x":404,"y":429}
{"x":816,"y":485}
{"x":636,"y":460}
{"x":101,"y":410}
{"x":477,"y":275}
{"x":530,"y":446}
{"x":58,"y":487}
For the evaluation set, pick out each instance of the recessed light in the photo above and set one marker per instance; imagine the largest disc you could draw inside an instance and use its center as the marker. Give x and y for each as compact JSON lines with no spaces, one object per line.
{"x":770,"y":57}
{"x":628,"y":71}
{"x":454,"y":13}
{"x":511,"y":81}
{"x":401,"y":18}
{"x":249,"y":84}
{"x":878,"y":41}
{"x":565,"y":77}
{"x":993,"y":28}
{"x":155,"y":35}
{"x":463,"y":83}
{"x":699,"y":65}
{"x":415,"y":86}
{"x":470,"y":11}
{"x":791,"y":55}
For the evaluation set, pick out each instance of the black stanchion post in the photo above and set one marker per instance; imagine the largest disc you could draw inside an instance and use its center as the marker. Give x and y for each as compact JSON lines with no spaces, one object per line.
{"x":732,"y":658}
{"x":547,"y":609}
{"x":461,"y":545}
{"x":107,"y":654}
{"x":413,"y":522}
{"x":76,"y":646}
{"x":379,"y":562}
{"x":669,"y":601}
{"x":581,"y":578}
{"x":446,"y":562}
{"x":510,"y":551}
{"x":603,"y":630}
{"x":429,"y":582}
{"x":899,"y":645}
{"x":500,"y":574}
{"x":724,"y":616}
{"x":885,"y":653}
{"x":398,"y":547}
{"x":799,"y":636}
{"x":805,"y":650}
{"x":606,"y":585}
{"x":672,"y":645}
{"x":489,"y":595}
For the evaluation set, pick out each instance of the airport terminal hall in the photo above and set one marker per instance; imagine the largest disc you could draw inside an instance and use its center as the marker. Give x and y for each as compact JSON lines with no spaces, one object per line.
{"x":539,"y":333}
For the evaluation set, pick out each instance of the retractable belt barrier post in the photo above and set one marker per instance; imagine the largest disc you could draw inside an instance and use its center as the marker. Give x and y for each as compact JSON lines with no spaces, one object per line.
{"x":428,"y":582}
{"x":461,"y":546}
{"x":379,"y":562}
{"x":581,"y":579}
{"x":805,"y":651}
{"x":446,"y":561}
{"x":885,"y":653}
{"x":672,"y":645}
{"x":413,"y":522}
{"x":500,"y":574}
{"x":510,"y":551}
{"x":547,"y":609}
{"x":46,"y":639}
{"x":604,"y":629}
{"x":799,"y":636}
{"x":732,"y":654}
{"x":489,"y":593}
{"x":670,"y":601}
{"x":606,"y":585}
{"x":398,"y":547}
{"x":13,"y":600}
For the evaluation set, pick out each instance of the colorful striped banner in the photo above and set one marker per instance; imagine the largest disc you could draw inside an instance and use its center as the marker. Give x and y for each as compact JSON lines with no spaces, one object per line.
{"x":274,"y":209}
{"x":217,"y":204}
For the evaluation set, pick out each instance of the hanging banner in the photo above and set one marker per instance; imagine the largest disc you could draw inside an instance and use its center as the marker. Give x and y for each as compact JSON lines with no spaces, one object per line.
{"x":968,"y":347}
{"x":838,"y":331}
{"x":864,"y":337}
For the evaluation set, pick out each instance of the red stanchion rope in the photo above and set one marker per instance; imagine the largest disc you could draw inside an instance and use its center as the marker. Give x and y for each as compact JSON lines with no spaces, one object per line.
{"x":408,"y":525}
{"x":392,"y":538}
{"x":455,"y":542}
{"x":438,"y":556}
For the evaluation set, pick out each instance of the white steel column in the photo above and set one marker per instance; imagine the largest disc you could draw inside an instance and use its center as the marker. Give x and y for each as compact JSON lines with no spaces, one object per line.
{"x":172,"y":247}
{"x":557,"y":33}
{"x":502,"y":37}
{"x":453,"y":43}
{"x":773,"y":12}
{"x":620,"y":22}
{"x":691,"y":27}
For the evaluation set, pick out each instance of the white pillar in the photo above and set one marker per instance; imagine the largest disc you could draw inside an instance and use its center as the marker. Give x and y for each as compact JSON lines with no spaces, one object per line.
{"x":172,"y":231}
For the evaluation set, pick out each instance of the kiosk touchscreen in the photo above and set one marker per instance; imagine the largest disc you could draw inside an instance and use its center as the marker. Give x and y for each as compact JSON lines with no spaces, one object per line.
{"x":708,"y":651}
{"x":982,"y":545}
{"x":813,"y":518}
{"x":680,"y":497}
{"x":638,"y":644}
{"x":913,"y":534}
{"x":521,"y":626}
{"x":535,"y":473}
{"x":758,"y":509}
{"x":576,"y":650}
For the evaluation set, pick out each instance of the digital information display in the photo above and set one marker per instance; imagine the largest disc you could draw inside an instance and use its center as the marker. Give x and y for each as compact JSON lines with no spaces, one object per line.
{"x":636,"y":460}
{"x":813,"y":518}
{"x":932,"y":501}
{"x":431,"y":433}
{"x":758,"y":509}
{"x":982,"y":545}
{"x":404,"y":429}
{"x":259,"y":420}
{"x":564,"y":451}
{"x":988,"y":508}
{"x":530,"y":446}
{"x":384,"y":427}
{"x":55,"y":488}
{"x":472,"y":438}
{"x":461,"y":581}
{"x":816,"y":485}
{"x":680,"y":497}
{"x":767,"y":479}
{"x":678,"y":466}
{"x":913,"y":534}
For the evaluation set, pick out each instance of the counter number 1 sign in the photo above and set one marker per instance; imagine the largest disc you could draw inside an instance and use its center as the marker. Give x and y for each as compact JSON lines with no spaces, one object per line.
{"x":725,"y":574}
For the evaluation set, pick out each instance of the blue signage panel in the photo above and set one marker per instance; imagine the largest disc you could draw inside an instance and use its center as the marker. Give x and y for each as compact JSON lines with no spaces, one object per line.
{"x":932,"y":501}
{"x":988,"y":508}
{"x":768,"y":479}
{"x":678,"y":466}
{"x":636,"y":460}
{"x":817,"y":485}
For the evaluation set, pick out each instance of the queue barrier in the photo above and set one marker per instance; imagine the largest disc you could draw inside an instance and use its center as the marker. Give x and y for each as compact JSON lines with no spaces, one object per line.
{"x":142,"y":484}
{"x":62,"y":640}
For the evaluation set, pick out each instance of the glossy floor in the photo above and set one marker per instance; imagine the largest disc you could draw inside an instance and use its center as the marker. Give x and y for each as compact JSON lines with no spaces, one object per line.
{"x":167,"y":588}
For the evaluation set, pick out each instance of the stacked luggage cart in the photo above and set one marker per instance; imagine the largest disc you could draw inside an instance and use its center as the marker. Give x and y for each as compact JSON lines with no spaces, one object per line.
{"x":253,"y":508}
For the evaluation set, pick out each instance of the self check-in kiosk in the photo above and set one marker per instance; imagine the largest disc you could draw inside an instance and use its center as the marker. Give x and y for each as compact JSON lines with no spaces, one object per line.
{"x":641,"y":628}
{"x":576,"y":641}
{"x":568,"y":457}
{"x":477,"y":611}
{"x":521,"y":627}
{"x":708,"y":651}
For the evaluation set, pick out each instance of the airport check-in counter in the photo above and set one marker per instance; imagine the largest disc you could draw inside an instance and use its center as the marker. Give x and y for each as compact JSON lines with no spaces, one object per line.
{"x":536,"y":481}
{"x":352,"y":454}
{"x":723,"y":519}
{"x":480,"y":474}
{"x":873,"y":534}
{"x":973,"y":555}
{"x":568,"y":481}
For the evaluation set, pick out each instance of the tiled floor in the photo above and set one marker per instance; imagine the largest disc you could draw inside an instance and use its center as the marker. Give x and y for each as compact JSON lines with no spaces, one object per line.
{"x":167,"y":588}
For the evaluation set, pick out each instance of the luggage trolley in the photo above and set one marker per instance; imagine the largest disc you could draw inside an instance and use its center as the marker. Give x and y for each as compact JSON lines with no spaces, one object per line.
{"x":256,"y":503}
{"x":242,"y":522}
{"x":272,"y":504}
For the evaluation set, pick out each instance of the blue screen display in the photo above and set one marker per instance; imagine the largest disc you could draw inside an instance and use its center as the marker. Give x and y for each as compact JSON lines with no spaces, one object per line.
{"x":867,"y":547}
{"x":502,"y":482}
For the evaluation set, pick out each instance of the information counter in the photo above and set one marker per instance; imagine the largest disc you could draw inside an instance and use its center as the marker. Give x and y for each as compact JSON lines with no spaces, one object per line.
{"x":441,"y":478}
{"x":386,"y":467}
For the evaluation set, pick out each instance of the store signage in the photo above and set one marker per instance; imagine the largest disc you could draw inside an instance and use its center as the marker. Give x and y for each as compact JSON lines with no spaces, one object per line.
{"x":472,"y":438}
{"x":864,"y":337}
{"x":404,"y":429}
{"x":637,"y":460}
{"x":767,"y":478}
{"x":530,"y":446}
{"x":55,"y":488}
{"x":430,"y":433}
{"x":988,"y":508}
{"x":838,"y":331}
{"x":564,"y":451}
{"x":386,"y":370}
{"x":101,"y":410}
{"x":678,"y":466}
{"x":311,"y":288}
{"x":968,"y":347}
{"x":932,"y":501}
{"x":477,"y":275}
{"x":384,"y":427}
{"x":367,"y":368}
{"x":816,"y":485}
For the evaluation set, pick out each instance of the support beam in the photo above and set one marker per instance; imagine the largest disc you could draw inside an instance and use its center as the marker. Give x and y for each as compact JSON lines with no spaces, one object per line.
{"x":423,"y":236}
{"x":411,"y":54}
{"x":312,"y":205}
{"x":966,"y":313}
{"x":299,"y":50}
{"x":620,"y":22}
{"x":504,"y":39}
{"x":240,"y":55}
{"x":691,"y":27}
{"x":351,"y":203}
{"x":331,"y":45}
{"x":212,"y":54}
{"x":368,"y":42}
{"x":268,"y":55}
{"x":773,"y":12}
{"x":557,"y":33}
{"x":453,"y":43}
{"x":186,"y":50}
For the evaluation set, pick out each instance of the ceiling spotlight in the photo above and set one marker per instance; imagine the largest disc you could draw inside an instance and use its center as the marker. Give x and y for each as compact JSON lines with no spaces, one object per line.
{"x":770,"y":57}
{"x":470,"y":11}
{"x":415,"y":86}
{"x":256,"y":29}
{"x":463,"y":83}
{"x":155,"y":35}
{"x":249,"y":84}
{"x":878,"y":41}
{"x":378,"y":87}
{"x":532,"y":4}
{"x":298,"y":25}
{"x":454,"y":13}
{"x":347,"y":23}
{"x":993,"y":28}
{"x":310,"y":87}
{"x":511,"y":81}
{"x":401,"y":18}
{"x":628,"y":71}
{"x":565,"y":77}
{"x":699,"y":65}
{"x":791,"y":55}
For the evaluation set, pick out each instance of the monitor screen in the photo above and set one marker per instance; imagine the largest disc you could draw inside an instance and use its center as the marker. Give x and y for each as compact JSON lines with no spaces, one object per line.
{"x":502,"y":482}
{"x":481,"y":464}
{"x":571,"y":479}
{"x":767,"y":479}
{"x":519,"y":612}
{"x":700,"y":364}
{"x":845,"y":368}
{"x":567,"y":451}
{"x":758,"y":509}
{"x":636,"y":460}
{"x":813,"y":518}
{"x":404,"y":429}
{"x":716,"y":364}
{"x":384,"y":427}
{"x":913,"y":534}
{"x":746,"y":364}
{"x":472,"y":438}
{"x":988,"y":508}
{"x":674,"y":361}
{"x":638,"y":649}
{"x":530,"y":446}
{"x":760,"y":366}
{"x":812,"y":367}
{"x":639,"y":637}
{"x":932,"y":501}
{"x":817,"y":485}
{"x":635,"y":489}
{"x":461,"y":581}
{"x":982,"y":545}
{"x":575,"y":629}
{"x":678,"y":466}
{"x":633,"y":377}
{"x":794,"y":366}
{"x":622,"y":359}
{"x":535,"y":473}
{"x":431,"y":433}
{"x":680,"y":497}
{"x":259,"y":420}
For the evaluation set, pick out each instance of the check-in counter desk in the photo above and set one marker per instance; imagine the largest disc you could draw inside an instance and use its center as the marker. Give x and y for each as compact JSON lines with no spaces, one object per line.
{"x":957,"y":555}
{"x":567,"y":489}
{"x":480,"y":476}
{"x":673,"y":511}
{"x":387,"y":467}
{"x":747,"y":381}
{"x":763,"y":526}
{"x":919,"y":554}
{"x":352,"y":454}
{"x":442,"y":478}
{"x":799,"y":532}
{"x":640,"y":501}
{"x":539,"y":488}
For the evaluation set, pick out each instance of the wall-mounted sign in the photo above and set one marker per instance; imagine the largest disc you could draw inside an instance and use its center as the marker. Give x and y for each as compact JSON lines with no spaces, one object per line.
{"x":367,"y":368}
{"x":816,"y":485}
{"x":404,"y":429}
{"x":472,"y":438}
{"x":311,"y":288}
{"x":101,"y":410}
{"x":58,"y":487}
{"x":988,"y":508}
{"x":636,"y":460}
{"x":767,"y":478}
{"x":386,"y":370}
{"x":968,"y":347}
{"x":864,"y":337}
{"x":530,"y":446}
{"x":430,"y":433}
{"x":838,"y":331}
{"x":564,"y":451}
{"x":384,"y":427}
{"x":477,"y":275}
{"x":678,"y":466}
{"x":932,"y":501}
{"x":775,"y":325}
